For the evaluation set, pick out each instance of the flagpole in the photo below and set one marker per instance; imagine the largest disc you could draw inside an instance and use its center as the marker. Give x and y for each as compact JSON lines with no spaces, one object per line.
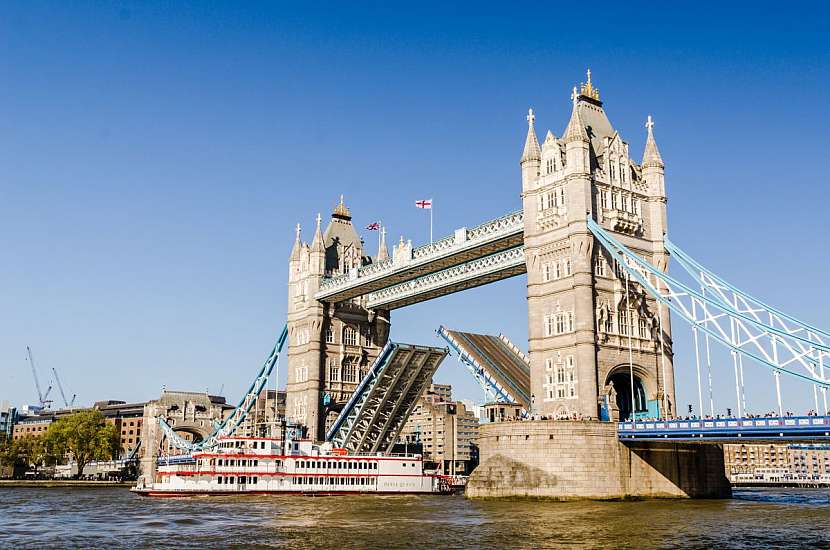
{"x":431,"y":206}
{"x":380,"y":230}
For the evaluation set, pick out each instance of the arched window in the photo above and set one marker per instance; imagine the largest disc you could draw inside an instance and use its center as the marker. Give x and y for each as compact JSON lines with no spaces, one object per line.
{"x":349,"y":336}
{"x":329,"y":335}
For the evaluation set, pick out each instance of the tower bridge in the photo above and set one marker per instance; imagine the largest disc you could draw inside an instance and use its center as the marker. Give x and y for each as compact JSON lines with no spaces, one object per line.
{"x":591,"y":238}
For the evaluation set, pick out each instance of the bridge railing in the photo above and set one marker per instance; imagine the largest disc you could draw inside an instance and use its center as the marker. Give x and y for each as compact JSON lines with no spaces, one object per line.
{"x":815,"y":427}
{"x":462,"y":239}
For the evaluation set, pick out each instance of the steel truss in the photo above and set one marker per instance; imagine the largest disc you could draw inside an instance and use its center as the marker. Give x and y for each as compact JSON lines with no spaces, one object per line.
{"x":229,"y":425}
{"x":374,"y":416}
{"x":744,"y":325}
{"x":492,"y":388}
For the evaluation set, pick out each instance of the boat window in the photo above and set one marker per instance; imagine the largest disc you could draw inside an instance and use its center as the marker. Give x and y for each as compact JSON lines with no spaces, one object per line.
{"x":255,"y":480}
{"x":220,"y":479}
{"x":231,"y":479}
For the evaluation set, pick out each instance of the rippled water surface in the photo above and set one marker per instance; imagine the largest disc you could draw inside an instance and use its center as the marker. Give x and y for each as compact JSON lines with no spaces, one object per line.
{"x":115,"y":518}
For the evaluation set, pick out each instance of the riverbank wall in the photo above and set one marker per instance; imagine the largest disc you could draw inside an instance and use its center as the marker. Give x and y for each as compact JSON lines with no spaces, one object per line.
{"x":571,"y":460}
{"x":61,"y":483}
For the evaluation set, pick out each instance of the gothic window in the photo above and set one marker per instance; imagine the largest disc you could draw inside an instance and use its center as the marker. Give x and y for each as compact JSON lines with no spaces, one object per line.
{"x":565,"y":377}
{"x":334,"y":370}
{"x":605,"y":198}
{"x":329,"y":335}
{"x":349,"y":372}
{"x":635,"y":206}
{"x":624,"y":322}
{"x":367,"y":337}
{"x":643,"y":326}
{"x":567,"y":263}
{"x":557,"y":273}
{"x":349,"y":336}
{"x":625,"y":203}
{"x":562,"y":196}
{"x":599,"y":265}
{"x":546,"y":271}
{"x":548,"y":325}
{"x":614,"y":200}
{"x":551,"y":199}
{"x":609,"y":322}
{"x":549,"y":165}
{"x":559,"y":323}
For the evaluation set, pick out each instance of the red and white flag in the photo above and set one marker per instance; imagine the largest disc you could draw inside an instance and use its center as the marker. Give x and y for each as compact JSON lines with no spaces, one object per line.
{"x":373,"y":226}
{"x":424,"y":203}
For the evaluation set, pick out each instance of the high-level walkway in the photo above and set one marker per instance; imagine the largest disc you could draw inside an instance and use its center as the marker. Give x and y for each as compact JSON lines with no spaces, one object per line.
{"x":377,"y":410}
{"x":467,"y":258}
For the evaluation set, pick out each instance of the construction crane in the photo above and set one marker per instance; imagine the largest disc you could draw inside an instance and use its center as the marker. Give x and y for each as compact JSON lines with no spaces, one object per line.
{"x":67,"y":404}
{"x":43,"y":398}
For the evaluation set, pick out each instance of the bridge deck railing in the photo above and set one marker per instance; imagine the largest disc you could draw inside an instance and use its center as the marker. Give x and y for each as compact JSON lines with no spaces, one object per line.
{"x":462,"y":239}
{"x":728,"y":428}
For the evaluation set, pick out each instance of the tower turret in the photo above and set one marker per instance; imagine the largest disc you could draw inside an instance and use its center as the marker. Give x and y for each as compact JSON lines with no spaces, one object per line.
{"x":317,"y":257}
{"x":531,"y":155}
{"x":577,"y":142}
{"x":383,"y":252}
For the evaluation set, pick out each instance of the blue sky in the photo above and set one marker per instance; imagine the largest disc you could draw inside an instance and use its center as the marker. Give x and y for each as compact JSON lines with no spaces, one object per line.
{"x":154,"y":158}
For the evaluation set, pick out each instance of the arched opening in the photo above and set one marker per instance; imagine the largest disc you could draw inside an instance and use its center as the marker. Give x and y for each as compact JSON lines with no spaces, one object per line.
{"x":622,"y":385}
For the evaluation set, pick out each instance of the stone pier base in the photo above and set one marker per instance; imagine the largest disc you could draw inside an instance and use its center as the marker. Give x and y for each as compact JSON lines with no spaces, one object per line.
{"x":566,"y":460}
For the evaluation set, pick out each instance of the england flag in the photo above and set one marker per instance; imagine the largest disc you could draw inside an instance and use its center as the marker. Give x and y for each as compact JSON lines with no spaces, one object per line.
{"x":425,"y":203}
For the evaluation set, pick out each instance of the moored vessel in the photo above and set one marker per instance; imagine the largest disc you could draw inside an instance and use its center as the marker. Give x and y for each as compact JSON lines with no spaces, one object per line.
{"x":258,"y":465}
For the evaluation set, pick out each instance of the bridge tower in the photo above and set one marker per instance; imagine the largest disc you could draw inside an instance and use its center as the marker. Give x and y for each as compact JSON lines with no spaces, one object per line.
{"x":585,"y":322}
{"x":330,"y":345}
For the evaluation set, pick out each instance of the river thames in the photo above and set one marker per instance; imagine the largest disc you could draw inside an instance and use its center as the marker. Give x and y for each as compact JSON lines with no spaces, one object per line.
{"x":115,"y":518}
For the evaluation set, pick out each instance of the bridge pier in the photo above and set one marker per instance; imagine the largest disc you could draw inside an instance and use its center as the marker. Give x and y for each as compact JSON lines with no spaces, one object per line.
{"x":572,"y":460}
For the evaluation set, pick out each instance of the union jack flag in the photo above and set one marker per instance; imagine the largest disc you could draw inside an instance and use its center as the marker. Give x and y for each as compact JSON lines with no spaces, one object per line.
{"x":373,"y":226}
{"x":424,"y":203}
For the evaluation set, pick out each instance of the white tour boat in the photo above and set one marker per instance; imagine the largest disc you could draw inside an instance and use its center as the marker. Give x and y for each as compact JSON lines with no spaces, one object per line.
{"x":255,"y":465}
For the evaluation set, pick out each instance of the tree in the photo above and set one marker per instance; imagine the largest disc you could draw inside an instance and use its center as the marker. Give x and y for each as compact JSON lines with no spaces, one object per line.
{"x":33,"y":451}
{"x":86,"y":435}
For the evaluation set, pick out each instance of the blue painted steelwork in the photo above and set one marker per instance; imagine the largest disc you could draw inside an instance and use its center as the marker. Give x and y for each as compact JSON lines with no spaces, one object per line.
{"x":489,"y":384}
{"x":176,"y":459}
{"x":711,"y":310}
{"x":790,"y":428}
{"x":696,"y":269}
{"x":357,"y":397}
{"x":229,"y":425}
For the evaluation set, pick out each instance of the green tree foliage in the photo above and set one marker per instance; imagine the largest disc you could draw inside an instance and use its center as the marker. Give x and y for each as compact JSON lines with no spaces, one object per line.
{"x":86,"y":436}
{"x":27,"y":451}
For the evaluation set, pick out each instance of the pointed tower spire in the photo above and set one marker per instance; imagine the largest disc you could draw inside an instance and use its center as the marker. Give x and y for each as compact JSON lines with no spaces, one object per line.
{"x":383,"y":253}
{"x":651,"y":154}
{"x":317,"y":243}
{"x":532,"y":151}
{"x":298,"y":245}
{"x":575,"y":130}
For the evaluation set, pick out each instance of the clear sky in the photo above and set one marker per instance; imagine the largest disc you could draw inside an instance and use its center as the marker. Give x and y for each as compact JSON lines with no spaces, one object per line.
{"x":155,"y":157}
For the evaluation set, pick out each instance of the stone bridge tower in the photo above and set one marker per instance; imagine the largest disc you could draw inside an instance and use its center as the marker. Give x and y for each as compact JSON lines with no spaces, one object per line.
{"x":582,"y":321}
{"x":330,"y":346}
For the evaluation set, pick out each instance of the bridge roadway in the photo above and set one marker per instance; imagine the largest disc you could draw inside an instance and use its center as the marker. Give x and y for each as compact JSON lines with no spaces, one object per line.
{"x":729,"y":430}
{"x":467,"y":258}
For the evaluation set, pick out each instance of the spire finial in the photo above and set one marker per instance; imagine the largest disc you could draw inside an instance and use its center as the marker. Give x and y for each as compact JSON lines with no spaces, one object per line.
{"x":298,"y":229}
{"x":574,"y":96}
{"x":341,"y":211}
{"x":532,"y":151}
{"x":651,"y":154}
{"x":530,"y":117}
{"x":319,"y":221}
{"x":588,"y":89}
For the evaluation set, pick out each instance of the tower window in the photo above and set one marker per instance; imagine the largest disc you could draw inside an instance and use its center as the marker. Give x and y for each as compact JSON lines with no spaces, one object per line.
{"x":349,"y":336}
{"x":329,"y":335}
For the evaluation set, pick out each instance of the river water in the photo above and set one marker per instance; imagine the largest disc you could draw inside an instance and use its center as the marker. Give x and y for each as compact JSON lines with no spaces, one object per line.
{"x":115,"y":518}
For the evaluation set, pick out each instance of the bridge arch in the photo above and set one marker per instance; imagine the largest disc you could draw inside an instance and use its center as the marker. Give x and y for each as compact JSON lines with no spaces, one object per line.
{"x":619,"y":378}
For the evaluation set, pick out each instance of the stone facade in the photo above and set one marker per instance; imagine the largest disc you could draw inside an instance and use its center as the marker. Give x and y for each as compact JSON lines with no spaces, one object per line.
{"x":583,"y":317}
{"x":331,"y":346}
{"x":565,"y":460}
